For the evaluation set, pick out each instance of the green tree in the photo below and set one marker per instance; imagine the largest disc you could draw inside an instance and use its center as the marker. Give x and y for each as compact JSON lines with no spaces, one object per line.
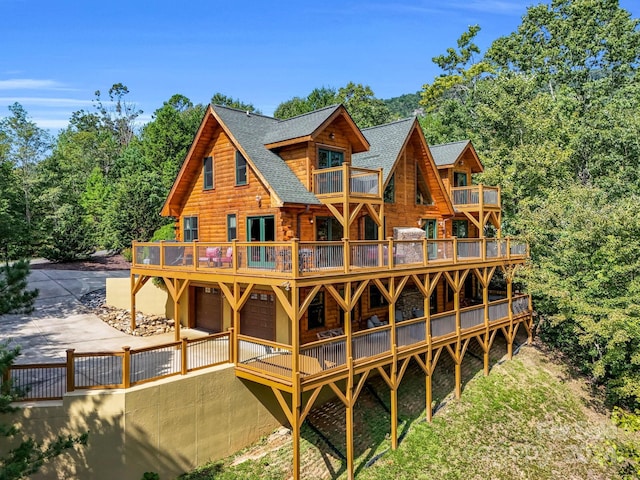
{"x":221,"y":99}
{"x":572,"y":43}
{"x":552,"y":110}
{"x":27,"y":455}
{"x":14,"y":296}
{"x":135,"y":201}
{"x":23,"y":145}
{"x":365,"y":109}
{"x":317,"y":99}
{"x":13,"y":227}
{"x":167,"y":138}
{"x":119,"y":115}
{"x":359,"y":100}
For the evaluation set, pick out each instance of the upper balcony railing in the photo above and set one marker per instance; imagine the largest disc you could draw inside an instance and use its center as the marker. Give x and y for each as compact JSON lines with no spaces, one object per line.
{"x":475,"y":196}
{"x":362,"y":182}
{"x":295,"y":259}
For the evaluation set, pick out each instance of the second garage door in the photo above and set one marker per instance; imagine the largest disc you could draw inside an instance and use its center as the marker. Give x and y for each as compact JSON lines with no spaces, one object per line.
{"x":258,"y":316}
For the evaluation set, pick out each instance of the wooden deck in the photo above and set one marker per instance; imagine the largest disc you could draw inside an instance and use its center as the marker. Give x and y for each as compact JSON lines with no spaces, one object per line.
{"x":297,"y":259}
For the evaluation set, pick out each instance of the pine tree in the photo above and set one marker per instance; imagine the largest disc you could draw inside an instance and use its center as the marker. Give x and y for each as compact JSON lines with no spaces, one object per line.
{"x":14,"y":296}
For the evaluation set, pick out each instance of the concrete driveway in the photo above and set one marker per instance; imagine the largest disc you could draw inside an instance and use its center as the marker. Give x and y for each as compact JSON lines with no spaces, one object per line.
{"x":60,"y":321}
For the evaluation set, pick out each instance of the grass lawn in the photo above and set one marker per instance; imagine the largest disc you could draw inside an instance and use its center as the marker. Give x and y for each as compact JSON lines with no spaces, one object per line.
{"x":529,"y":419}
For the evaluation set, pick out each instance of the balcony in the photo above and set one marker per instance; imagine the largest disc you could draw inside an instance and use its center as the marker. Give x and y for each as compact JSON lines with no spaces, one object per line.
{"x":363,"y":184}
{"x":475,"y":197}
{"x":329,"y":357}
{"x":296,"y":259}
{"x":269,"y":360}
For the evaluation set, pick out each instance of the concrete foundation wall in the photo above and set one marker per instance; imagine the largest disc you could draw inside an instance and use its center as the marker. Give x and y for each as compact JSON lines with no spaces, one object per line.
{"x":168,"y":426}
{"x":150,"y":300}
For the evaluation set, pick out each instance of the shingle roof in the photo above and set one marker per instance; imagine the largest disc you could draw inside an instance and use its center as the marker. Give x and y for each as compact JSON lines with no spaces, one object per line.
{"x":299,"y":126}
{"x":386,"y":143}
{"x":448,"y":153}
{"x":250,"y":131}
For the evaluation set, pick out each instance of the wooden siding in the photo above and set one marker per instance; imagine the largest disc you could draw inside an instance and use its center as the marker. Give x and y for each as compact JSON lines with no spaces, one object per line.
{"x":404,"y":212}
{"x":212,"y":206}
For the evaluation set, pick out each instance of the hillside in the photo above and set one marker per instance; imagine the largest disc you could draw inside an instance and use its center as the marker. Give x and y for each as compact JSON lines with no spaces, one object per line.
{"x":530,"y":418}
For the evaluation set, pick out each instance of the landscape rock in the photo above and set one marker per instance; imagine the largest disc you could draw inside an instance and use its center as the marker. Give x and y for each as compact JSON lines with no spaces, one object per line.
{"x":120,"y":319}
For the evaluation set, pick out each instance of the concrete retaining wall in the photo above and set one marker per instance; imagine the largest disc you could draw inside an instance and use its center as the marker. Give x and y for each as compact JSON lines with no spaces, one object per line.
{"x":169,"y":426}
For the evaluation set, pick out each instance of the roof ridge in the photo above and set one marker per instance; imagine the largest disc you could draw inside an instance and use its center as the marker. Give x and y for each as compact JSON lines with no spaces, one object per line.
{"x":240,"y":110}
{"x":335,"y":105}
{"x":449,"y":143}
{"x":406,"y":119}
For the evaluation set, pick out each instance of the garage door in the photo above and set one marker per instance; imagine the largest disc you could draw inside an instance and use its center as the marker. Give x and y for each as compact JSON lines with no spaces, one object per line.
{"x":258,"y":316}
{"x":208,"y":309}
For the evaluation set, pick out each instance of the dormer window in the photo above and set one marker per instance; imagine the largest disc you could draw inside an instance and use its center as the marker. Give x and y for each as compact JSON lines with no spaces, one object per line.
{"x":329,"y":158}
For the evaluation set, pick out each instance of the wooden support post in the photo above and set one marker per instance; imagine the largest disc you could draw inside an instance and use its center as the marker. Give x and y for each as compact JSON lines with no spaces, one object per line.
{"x":349,"y":421}
{"x":176,"y":318}
{"x":231,"y":343}
{"x":183,"y":356}
{"x":393,"y":377}
{"x":429,"y":391}
{"x":511,"y":335}
{"x":394,"y":406}
{"x":456,"y":306}
{"x":71,"y":371}
{"x":295,"y":427}
{"x":485,"y":300}
{"x":133,"y":302}
{"x":126,"y":367}
{"x":236,"y":321}
{"x":296,"y":394}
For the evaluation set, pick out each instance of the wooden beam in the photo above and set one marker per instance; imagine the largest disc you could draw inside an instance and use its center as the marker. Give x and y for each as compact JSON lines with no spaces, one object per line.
{"x":337,"y":297}
{"x":284,"y":301}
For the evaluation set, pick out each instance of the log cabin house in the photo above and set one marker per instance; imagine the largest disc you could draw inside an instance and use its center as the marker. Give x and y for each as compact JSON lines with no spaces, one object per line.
{"x":333,"y":253}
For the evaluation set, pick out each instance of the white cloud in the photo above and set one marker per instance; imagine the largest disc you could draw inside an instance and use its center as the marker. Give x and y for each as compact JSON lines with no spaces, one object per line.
{"x":47,"y":101}
{"x":30,"y":84}
{"x":51,"y":123}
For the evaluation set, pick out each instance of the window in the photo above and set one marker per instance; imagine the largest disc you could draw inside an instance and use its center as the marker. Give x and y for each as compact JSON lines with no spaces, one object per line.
{"x":328,"y":228}
{"x":190,"y":228}
{"x":329,"y":158}
{"x":232,"y":232}
{"x":370,"y":228}
{"x":315,"y":316}
{"x":208,"y":173}
{"x":390,"y":190}
{"x":241,"y":169}
{"x":376,"y":299}
{"x":459,"y":179}
{"x":423,"y":196}
{"x":460,"y":228}
{"x":433,"y":302}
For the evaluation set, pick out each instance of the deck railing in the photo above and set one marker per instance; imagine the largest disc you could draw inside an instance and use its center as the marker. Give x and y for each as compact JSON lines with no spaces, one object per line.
{"x":362,"y":182}
{"x":476,"y":195}
{"x":129,"y":367}
{"x":297,"y":259}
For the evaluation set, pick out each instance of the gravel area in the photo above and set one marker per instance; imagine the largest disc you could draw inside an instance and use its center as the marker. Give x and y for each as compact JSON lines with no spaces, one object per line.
{"x":120,"y":319}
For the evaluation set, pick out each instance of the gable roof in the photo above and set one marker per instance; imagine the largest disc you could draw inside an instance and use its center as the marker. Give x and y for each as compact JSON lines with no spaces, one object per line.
{"x":447,"y":154}
{"x":307,"y":126}
{"x":386,"y":144}
{"x":248,"y":133}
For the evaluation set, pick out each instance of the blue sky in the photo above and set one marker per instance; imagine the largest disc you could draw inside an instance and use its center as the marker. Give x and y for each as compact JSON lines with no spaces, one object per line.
{"x":55,"y":55}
